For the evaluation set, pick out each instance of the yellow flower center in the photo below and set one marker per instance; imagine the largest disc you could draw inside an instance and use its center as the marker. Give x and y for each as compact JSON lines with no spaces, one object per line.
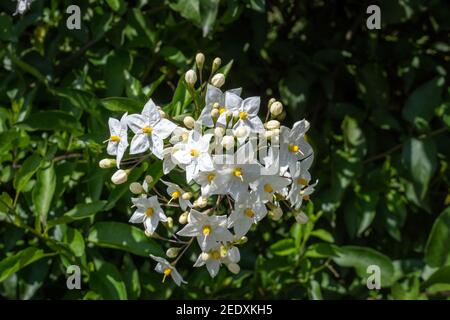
{"x":249,"y":213}
{"x":215,"y":255}
{"x":211,"y":177}
{"x":206,"y":230}
{"x":237,"y":172}
{"x":176,"y":194}
{"x":268,"y":188}
{"x":149,"y":212}
{"x":302,"y":181}
{"x":115,"y":138}
{"x":293,"y":148}
{"x":184,"y":136}
{"x":147,"y":130}
{"x":242,"y":115}
{"x":166,"y":272}
{"x":195,"y":152}
{"x":222,"y":110}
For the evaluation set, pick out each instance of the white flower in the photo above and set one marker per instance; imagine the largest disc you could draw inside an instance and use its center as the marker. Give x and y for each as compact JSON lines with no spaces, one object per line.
{"x":293,"y":146}
{"x":246,"y":212}
{"x":211,"y":182}
{"x":150,"y":130}
{"x":247,"y":114}
{"x":194,"y":154}
{"x":176,"y":193}
{"x":218,"y":80}
{"x":300,"y":192}
{"x":118,"y":140}
{"x":167,"y":269}
{"x":266,"y":186}
{"x":209,"y":230}
{"x":215,"y":257}
{"x":148,"y":212}
{"x":227,"y":101}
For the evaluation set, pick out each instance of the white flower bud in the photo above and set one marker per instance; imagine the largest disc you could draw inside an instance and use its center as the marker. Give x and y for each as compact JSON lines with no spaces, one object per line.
{"x":243,"y":240}
{"x":201,"y":202}
{"x":241,"y":132}
{"x":219,"y":132}
{"x":234,"y":268}
{"x":271,"y":101}
{"x":272,"y":124}
{"x":190,"y":77}
{"x":268,"y":134}
{"x":187,"y":196}
{"x":276,"y":108}
{"x":205,"y":256}
{"x":148,"y":233}
{"x":189,"y":122}
{"x":172,"y":252}
{"x":107,"y":163}
{"x":120,"y":176}
{"x":216,"y":105}
{"x":216,"y":64}
{"x":169,"y":222}
{"x":136,"y":188}
{"x":162,"y":114}
{"x":218,"y":80}
{"x":183,"y":219}
{"x":215,"y":113}
{"x":227,"y":142}
{"x":276,"y":213}
{"x":200,"y":60}
{"x":301,"y":217}
{"x":148,"y":179}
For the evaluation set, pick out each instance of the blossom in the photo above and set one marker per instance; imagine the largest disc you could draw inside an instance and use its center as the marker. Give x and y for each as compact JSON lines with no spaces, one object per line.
{"x":148,"y":212}
{"x":300,"y":190}
{"x":211,"y":182}
{"x":266,"y":186}
{"x":247,"y":114}
{"x":209,"y":230}
{"x":176,"y":193}
{"x":118,"y":140}
{"x":225,"y":101}
{"x":215,"y":257}
{"x":150,"y":130}
{"x":167,"y":269}
{"x":293,"y":146}
{"x":194,"y":153}
{"x":246,"y":212}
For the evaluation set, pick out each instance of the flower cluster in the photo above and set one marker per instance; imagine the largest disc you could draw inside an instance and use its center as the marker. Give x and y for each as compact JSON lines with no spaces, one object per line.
{"x":237,"y":168}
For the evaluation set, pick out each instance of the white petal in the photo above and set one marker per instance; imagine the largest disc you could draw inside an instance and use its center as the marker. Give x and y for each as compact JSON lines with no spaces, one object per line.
{"x":136,"y":122}
{"x":157,"y":146}
{"x":150,"y":112}
{"x":140,"y":143}
{"x":164,"y":128}
{"x":251,"y":105}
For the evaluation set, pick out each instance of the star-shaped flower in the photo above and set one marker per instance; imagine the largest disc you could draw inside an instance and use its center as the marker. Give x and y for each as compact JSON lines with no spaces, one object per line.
{"x":118,"y":140}
{"x":148,"y":212}
{"x":167,"y":269}
{"x":150,"y":130}
{"x":246,"y":212}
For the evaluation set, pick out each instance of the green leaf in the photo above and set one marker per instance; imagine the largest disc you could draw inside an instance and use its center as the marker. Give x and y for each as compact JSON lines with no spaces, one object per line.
{"x":80,"y":211}
{"x":284,"y":247}
{"x":6,"y":33}
{"x":208,"y":10}
{"x":43,"y":191}
{"x":74,"y":239}
{"x":437,"y":251}
{"x":420,"y":159}
{"x":321,"y":250}
{"x":323,"y":235}
{"x":361,"y":257}
{"x":439,"y":277}
{"x":116,"y":5}
{"x":26,"y":171}
{"x":258,"y":5}
{"x":131,"y":277}
{"x":51,"y":120}
{"x":122,"y":236}
{"x":20,"y":260}
{"x":188,"y":9}
{"x":108,"y":282}
{"x":419,"y":107}
{"x":119,"y":104}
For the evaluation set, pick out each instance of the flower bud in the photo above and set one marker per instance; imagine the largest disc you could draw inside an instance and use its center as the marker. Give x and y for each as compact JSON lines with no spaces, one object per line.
{"x":136,"y":188}
{"x":276,"y":213}
{"x":162,"y":114}
{"x":183,"y":219}
{"x":169,"y":222}
{"x":268,"y":134}
{"x":216,"y":105}
{"x":216,"y":64}
{"x":173,"y":252}
{"x":272,"y":124}
{"x":223,"y":251}
{"x":276,"y":108}
{"x":190,"y":77}
{"x":218,"y":80}
{"x":120,"y":176}
{"x":200,"y":60}
{"x":201,"y":202}
{"x":205,"y":256}
{"x":148,"y":233}
{"x":234,"y":268}
{"x":107,"y":163}
{"x":215,"y":113}
{"x":219,"y":132}
{"x":187,"y":196}
{"x":227,"y":142}
{"x":243,"y":240}
{"x":301,"y":217}
{"x":189,"y":122}
{"x":148,"y":179}
{"x":241,"y":132}
{"x":271,"y":101}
